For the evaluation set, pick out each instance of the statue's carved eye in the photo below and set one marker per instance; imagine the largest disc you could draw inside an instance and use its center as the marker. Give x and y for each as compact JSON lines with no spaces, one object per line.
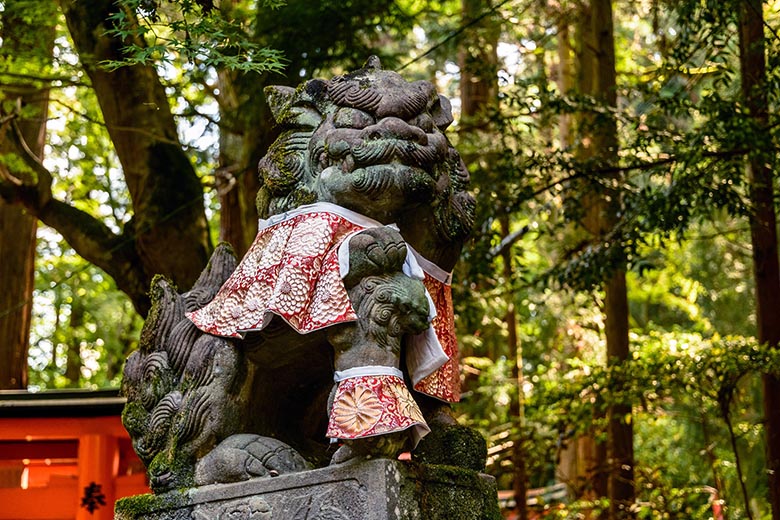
{"x":352,"y":118}
{"x":424,"y":122}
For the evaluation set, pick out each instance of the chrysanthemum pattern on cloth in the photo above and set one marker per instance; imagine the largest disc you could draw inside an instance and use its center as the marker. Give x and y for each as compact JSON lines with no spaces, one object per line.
{"x":365,"y":406}
{"x":291,"y":270}
{"x":444,"y":383}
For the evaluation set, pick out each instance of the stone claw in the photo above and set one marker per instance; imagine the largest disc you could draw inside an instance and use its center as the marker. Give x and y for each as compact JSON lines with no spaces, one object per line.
{"x":375,"y":251}
{"x":383,"y":446}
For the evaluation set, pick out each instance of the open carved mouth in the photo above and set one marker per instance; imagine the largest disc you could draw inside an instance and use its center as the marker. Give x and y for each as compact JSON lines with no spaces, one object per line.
{"x":394,"y":171}
{"x":385,"y":151}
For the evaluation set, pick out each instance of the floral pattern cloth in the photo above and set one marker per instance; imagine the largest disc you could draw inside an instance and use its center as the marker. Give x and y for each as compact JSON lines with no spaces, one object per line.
{"x":444,"y":382}
{"x":291,"y":270}
{"x":294,"y":270}
{"x":370,"y":405}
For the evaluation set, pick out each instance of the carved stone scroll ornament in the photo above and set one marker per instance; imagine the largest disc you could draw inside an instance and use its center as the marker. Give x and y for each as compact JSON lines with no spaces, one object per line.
{"x":366,"y":211}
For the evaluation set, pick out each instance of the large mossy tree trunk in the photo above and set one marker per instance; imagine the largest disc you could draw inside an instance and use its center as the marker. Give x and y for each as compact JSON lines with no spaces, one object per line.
{"x":763,"y":223}
{"x":28,"y":36}
{"x":168,"y":233}
{"x":598,"y":146}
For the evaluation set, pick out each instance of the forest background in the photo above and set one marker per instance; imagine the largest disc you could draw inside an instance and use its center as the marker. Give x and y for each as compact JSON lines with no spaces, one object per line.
{"x":619,"y":304}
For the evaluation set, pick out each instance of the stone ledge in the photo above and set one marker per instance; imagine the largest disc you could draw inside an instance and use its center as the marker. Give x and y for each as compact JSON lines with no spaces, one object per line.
{"x":377,"y":489}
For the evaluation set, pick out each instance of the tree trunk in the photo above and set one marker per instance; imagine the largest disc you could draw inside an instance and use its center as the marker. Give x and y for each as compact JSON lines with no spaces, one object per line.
{"x":73,"y":353}
{"x":582,"y":464}
{"x":167,"y":195}
{"x":763,"y":224}
{"x":620,"y":433}
{"x":246,"y":132}
{"x":30,"y":38}
{"x":478,"y":61}
{"x":168,"y":233}
{"x":236,"y":205}
{"x":564,"y":78}
{"x":598,"y":143}
{"x":517,"y":406}
{"x":581,"y":458}
{"x":237,"y":182}
{"x":17,"y":249}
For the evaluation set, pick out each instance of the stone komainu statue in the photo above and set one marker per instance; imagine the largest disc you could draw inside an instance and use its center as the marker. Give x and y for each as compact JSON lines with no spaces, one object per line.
{"x":366,"y":211}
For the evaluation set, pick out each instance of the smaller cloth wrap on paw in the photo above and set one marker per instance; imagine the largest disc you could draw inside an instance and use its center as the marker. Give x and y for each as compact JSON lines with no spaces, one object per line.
{"x":371,"y":401}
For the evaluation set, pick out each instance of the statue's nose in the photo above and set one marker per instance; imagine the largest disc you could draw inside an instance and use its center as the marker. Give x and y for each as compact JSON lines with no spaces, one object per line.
{"x":395,"y":128}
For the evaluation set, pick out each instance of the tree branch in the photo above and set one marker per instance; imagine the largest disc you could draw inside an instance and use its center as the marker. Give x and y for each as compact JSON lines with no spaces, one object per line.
{"x":96,"y":243}
{"x":88,"y":236}
{"x":65,"y":80}
{"x":630,"y":167}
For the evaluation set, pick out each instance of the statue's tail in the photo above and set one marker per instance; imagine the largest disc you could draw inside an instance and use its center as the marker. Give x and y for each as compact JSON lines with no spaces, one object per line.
{"x":180,"y":377}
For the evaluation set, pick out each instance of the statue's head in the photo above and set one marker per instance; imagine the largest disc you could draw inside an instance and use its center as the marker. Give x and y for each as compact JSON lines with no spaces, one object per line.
{"x":369,"y":141}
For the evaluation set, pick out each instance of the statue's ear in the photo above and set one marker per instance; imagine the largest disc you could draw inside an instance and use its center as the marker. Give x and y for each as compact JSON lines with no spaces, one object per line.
{"x":279,"y":99}
{"x":295,"y":107}
{"x":441,"y":112}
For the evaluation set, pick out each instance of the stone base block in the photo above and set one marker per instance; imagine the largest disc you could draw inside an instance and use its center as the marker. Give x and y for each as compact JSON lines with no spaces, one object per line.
{"x":368,"y":490}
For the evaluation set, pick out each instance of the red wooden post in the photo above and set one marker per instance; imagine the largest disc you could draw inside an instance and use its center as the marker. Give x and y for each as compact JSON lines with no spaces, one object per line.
{"x":98,"y":468}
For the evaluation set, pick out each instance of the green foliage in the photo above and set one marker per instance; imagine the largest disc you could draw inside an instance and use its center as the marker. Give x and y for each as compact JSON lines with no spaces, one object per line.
{"x":680,"y":233}
{"x":86,"y":328}
{"x":684,"y":386}
{"x":156,"y":33}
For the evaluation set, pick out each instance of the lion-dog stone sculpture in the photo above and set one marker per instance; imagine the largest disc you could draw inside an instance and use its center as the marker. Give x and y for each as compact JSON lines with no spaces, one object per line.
{"x":366,"y":211}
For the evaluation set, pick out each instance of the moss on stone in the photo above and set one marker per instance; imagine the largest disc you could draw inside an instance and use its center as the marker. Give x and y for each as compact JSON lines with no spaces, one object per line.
{"x":452,"y":445}
{"x":135,"y":419}
{"x":138,"y":507}
{"x":455,"y":493}
{"x":180,"y":470}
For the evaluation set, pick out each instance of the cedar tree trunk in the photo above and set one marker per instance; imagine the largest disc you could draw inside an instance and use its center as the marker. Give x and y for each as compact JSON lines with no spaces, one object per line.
{"x":763,"y":224}
{"x":598,"y":143}
{"x":28,"y":35}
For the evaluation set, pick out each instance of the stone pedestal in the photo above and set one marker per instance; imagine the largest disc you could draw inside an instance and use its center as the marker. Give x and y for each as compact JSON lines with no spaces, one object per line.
{"x":369,"y":490}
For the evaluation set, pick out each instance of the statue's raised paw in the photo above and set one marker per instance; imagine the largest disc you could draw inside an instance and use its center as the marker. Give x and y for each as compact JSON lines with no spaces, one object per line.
{"x":387,"y":446}
{"x":375,"y":251}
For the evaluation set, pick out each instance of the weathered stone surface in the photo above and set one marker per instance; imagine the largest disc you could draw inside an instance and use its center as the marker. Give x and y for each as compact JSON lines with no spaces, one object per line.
{"x":363,"y":162}
{"x":231,"y":395}
{"x":377,"y":489}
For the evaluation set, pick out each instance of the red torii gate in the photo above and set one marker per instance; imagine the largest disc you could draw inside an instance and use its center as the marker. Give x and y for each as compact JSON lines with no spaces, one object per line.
{"x":64,"y":455}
